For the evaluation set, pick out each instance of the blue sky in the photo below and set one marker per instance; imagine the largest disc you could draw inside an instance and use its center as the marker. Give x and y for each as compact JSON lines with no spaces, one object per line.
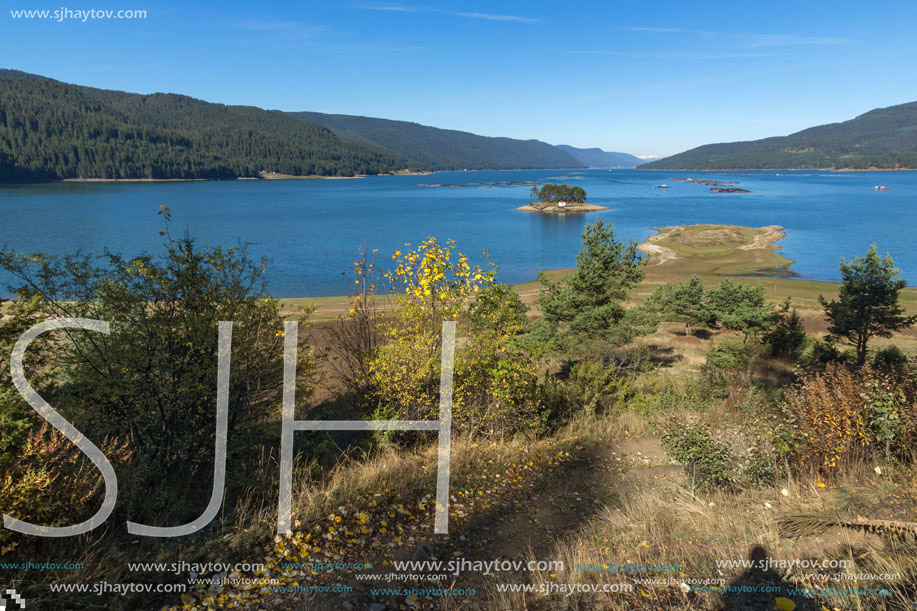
{"x":648,"y":78}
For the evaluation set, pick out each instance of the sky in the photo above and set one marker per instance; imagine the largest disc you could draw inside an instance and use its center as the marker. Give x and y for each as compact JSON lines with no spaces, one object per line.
{"x":647,"y":78}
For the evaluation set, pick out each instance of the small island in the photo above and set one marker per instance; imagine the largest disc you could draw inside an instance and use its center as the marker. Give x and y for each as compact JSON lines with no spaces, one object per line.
{"x":559,"y":199}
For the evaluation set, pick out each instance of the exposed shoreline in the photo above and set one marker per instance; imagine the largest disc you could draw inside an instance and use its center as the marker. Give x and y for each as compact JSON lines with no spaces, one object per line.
{"x":277,"y":177}
{"x":764,"y":238}
{"x":527,"y":208}
{"x":553,"y":209}
{"x":274,"y":177}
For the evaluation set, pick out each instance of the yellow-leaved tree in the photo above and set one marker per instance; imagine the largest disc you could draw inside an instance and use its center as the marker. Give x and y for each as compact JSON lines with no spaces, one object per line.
{"x":495,"y":386}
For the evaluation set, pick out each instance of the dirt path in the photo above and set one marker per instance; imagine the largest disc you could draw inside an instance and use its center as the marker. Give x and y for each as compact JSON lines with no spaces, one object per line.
{"x":661,"y":254}
{"x":533,"y":522}
{"x":558,"y":507}
{"x":771,"y":234}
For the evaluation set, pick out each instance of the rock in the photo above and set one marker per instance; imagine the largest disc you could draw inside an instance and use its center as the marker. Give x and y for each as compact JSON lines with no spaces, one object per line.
{"x":377,"y":607}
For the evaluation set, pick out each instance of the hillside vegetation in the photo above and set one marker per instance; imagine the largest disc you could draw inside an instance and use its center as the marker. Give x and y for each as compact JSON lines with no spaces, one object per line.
{"x":597,"y":158}
{"x":51,"y":130}
{"x":444,"y":149}
{"x":884,"y":138}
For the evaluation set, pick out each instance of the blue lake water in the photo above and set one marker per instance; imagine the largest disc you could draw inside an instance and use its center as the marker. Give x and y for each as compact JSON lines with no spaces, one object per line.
{"x":311,"y":230}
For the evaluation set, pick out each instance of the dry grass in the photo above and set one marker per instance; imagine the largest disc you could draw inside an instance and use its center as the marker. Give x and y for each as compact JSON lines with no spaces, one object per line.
{"x":677,"y":525}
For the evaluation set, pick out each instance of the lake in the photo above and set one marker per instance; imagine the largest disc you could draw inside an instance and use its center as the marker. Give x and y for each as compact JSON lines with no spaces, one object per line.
{"x":311,"y":230}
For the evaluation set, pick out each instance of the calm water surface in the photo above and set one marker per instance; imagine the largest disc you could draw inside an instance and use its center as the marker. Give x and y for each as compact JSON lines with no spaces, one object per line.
{"x":311,"y":230}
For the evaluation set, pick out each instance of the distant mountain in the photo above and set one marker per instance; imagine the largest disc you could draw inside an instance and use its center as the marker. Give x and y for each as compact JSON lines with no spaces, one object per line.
{"x":51,"y":130}
{"x":597,"y":158}
{"x":443,"y":149}
{"x":885,"y":138}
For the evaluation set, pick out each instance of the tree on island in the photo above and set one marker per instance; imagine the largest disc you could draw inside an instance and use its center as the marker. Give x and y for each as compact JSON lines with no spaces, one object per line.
{"x":551,"y":193}
{"x":867,"y":304}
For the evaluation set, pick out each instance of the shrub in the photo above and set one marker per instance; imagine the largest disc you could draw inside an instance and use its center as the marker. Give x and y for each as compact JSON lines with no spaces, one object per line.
{"x":787,"y":337}
{"x":820,"y":353}
{"x":842,"y":414}
{"x":741,"y":307}
{"x":684,"y":302}
{"x":595,"y":386}
{"x":828,"y":408}
{"x":757,"y":465}
{"x":709,"y":462}
{"x":16,"y":416}
{"x":52,"y":482}
{"x":891,"y":358}
{"x":356,"y":336}
{"x":728,"y":362}
{"x":712,"y":463}
{"x":495,"y":387}
{"x":495,"y":390}
{"x":153,"y":378}
{"x":728,"y":355}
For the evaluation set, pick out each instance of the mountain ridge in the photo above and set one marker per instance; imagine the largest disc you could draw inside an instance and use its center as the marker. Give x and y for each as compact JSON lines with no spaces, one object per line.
{"x":444,"y":149}
{"x":598,"y":158}
{"x":51,"y":130}
{"x":882,"y":138}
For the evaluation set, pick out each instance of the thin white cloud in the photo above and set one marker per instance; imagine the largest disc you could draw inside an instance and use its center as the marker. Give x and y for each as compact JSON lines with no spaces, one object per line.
{"x":686,"y":55}
{"x":394,"y":8}
{"x":750,"y":41}
{"x":264,"y":26}
{"x":290,"y":29}
{"x":370,"y":48}
{"x":791,"y":40}
{"x":640,"y":28}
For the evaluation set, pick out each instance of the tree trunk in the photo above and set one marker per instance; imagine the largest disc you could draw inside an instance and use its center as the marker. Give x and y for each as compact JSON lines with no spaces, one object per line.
{"x":861,"y":350}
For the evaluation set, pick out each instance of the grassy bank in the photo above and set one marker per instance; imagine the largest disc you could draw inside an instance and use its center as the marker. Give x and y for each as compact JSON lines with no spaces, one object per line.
{"x":712,"y":252}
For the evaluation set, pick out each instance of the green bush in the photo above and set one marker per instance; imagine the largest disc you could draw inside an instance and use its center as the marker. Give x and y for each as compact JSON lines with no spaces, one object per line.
{"x":891,"y":358}
{"x":153,"y":378}
{"x":594,"y":386}
{"x":709,"y":462}
{"x":16,"y":416}
{"x":820,"y":353}
{"x":728,"y":355}
{"x":787,"y":338}
{"x":728,"y":362}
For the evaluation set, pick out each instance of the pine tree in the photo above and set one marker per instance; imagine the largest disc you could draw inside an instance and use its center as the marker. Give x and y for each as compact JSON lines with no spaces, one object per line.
{"x":684,"y":302}
{"x":867,"y":304}
{"x":586,"y":307}
{"x":741,"y":307}
{"x":787,"y":336}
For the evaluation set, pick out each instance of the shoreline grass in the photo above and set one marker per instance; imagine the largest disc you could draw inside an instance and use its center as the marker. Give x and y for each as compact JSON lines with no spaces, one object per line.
{"x":713,"y":252}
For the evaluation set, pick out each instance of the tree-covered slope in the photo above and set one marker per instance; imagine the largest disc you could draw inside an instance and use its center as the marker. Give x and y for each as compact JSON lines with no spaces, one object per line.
{"x":884,"y":138}
{"x":51,"y":130}
{"x":444,"y":149}
{"x":597,"y":158}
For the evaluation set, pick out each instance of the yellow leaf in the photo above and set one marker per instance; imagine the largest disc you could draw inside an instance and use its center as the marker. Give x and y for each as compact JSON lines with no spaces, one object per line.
{"x":785,"y":604}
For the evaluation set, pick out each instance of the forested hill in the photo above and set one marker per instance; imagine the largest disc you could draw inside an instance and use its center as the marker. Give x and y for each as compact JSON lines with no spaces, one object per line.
{"x":597,"y":158}
{"x":885,"y":138}
{"x":51,"y":130}
{"x":444,"y":149}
